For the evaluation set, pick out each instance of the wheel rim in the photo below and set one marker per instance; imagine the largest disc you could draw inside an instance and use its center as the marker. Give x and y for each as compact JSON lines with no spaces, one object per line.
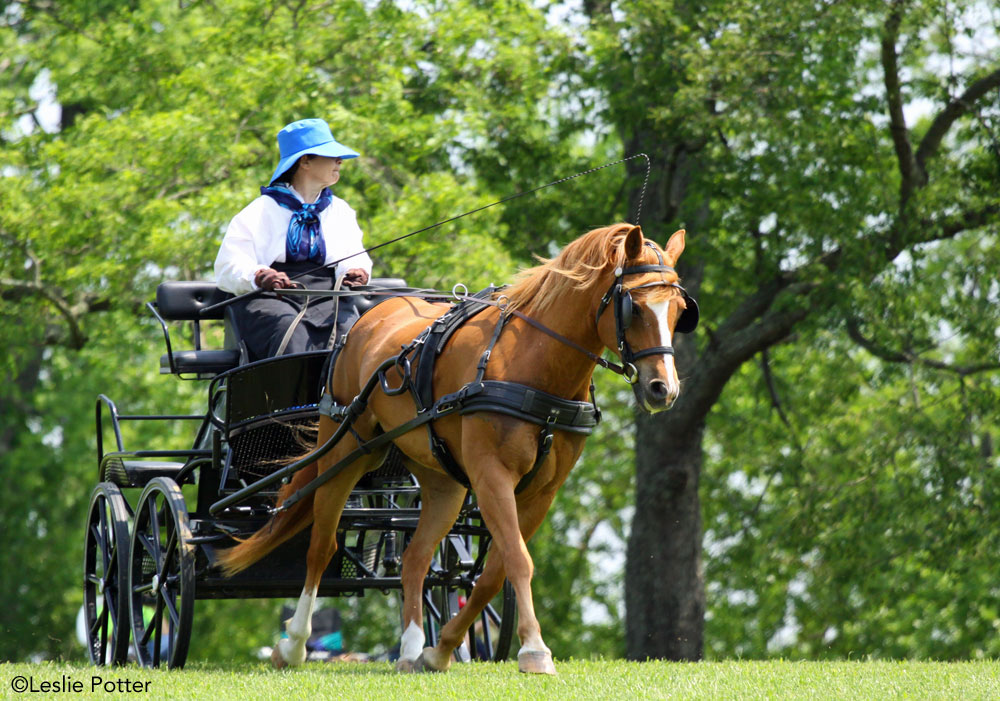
{"x":105,"y":579}
{"x":161,"y":576}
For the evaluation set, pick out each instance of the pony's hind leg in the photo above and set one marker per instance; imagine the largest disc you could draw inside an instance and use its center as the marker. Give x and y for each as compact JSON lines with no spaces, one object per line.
{"x":328,"y":504}
{"x":441,"y":499}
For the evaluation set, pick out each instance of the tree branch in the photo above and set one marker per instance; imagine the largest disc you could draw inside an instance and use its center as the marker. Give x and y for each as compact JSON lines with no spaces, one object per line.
{"x":909,"y":357}
{"x":954,"y":110}
{"x":765,"y":366}
{"x":894,"y":98}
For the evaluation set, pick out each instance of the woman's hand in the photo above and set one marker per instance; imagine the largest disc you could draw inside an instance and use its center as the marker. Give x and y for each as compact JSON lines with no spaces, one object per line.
{"x":355,"y":276}
{"x":270,"y":279}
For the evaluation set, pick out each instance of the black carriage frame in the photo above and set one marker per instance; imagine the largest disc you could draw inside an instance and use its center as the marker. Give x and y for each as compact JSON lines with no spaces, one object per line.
{"x":161,"y":555}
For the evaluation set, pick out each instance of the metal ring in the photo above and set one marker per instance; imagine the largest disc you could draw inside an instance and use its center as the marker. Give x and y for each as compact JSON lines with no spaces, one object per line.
{"x":630,"y":373}
{"x":455,"y":293}
{"x":503,"y":301}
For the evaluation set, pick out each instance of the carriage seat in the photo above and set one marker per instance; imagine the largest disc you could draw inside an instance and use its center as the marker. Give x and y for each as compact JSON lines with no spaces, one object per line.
{"x":183,"y":300}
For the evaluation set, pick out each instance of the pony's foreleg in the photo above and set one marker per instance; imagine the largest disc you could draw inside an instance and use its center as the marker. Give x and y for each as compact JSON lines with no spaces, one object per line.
{"x":511,"y":525}
{"x":441,"y":499}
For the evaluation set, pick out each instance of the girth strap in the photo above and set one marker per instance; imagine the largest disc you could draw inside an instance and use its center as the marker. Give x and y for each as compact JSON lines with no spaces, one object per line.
{"x":534,"y":405}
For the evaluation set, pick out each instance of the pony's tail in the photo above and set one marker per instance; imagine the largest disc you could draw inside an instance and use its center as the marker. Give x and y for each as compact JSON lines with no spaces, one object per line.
{"x":276,"y":531}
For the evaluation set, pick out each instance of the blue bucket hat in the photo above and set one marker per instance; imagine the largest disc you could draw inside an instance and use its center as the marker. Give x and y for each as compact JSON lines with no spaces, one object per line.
{"x":307,"y":136}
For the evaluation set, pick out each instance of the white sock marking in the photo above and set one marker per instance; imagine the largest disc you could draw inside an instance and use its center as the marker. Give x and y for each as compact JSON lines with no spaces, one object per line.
{"x":298,"y":627}
{"x":411,"y":644}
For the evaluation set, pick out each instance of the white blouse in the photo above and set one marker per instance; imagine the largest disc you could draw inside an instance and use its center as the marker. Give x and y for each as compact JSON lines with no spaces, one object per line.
{"x":256,"y":238}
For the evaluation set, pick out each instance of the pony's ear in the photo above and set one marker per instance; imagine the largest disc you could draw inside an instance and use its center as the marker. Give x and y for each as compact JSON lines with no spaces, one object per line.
{"x":633,"y":243}
{"x":675,"y":246}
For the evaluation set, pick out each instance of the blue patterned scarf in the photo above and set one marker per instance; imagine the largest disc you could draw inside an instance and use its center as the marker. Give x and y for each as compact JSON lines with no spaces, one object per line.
{"x":304,"y":241}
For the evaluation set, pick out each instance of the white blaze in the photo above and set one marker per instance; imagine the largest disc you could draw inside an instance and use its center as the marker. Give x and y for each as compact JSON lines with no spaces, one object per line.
{"x":661,"y":310}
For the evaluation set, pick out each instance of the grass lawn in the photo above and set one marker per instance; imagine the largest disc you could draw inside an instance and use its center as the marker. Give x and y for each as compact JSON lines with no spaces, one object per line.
{"x":816,"y":681}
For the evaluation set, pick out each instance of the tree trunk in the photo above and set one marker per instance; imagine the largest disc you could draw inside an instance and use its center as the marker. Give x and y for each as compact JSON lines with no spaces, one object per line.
{"x":664,"y":585}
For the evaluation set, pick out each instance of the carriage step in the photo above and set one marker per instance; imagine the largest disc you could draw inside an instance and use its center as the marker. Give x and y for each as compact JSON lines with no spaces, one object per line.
{"x":125,"y":472}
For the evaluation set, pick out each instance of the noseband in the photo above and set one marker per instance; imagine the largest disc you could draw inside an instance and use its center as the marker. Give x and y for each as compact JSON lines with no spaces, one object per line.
{"x":620,"y":299}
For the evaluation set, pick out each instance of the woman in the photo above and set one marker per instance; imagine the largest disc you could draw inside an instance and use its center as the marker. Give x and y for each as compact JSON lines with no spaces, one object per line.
{"x":294,"y":227}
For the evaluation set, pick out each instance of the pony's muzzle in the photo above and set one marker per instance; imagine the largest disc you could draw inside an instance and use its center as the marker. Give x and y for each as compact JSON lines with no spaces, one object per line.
{"x":660,"y":392}
{"x":656,"y":394}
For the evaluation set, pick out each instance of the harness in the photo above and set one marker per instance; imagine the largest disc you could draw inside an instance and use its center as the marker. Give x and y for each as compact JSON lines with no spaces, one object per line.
{"x":509,"y":398}
{"x":536,"y":406}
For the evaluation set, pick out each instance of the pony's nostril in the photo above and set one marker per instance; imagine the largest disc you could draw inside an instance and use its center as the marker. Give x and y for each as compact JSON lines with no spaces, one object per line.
{"x":658,"y":389}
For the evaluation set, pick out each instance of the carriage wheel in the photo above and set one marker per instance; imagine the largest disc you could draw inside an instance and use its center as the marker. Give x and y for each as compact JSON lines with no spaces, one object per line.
{"x":161,"y":576}
{"x":490,"y":637}
{"x":105,"y":576}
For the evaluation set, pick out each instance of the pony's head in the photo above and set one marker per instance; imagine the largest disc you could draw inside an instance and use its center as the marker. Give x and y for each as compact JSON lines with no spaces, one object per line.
{"x":633,"y":297}
{"x":641,"y":310}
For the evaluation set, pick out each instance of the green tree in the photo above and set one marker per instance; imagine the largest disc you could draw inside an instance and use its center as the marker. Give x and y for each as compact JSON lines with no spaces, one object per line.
{"x":779,"y":137}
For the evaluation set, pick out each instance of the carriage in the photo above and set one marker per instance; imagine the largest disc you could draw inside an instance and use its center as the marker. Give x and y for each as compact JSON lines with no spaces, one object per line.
{"x":158,"y":518}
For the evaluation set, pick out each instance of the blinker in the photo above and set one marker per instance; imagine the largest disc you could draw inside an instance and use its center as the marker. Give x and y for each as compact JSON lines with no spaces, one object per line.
{"x":688,"y":320}
{"x":625,"y":309}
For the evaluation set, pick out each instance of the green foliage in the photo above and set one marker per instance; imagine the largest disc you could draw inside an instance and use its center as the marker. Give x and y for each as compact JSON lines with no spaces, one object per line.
{"x":865,"y":530}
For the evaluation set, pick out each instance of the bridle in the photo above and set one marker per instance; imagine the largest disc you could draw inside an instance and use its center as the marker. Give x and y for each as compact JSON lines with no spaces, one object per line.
{"x":620,"y":299}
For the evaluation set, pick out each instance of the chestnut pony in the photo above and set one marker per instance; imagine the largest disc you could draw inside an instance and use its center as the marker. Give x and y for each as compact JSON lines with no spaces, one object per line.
{"x":567,"y":295}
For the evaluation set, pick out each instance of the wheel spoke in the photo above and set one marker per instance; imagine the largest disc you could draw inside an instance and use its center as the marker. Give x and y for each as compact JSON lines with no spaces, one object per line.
{"x":155,"y":622}
{"x":98,"y":538}
{"x":109,"y":606}
{"x":93,"y":579}
{"x":104,"y":634}
{"x":102,"y":508}
{"x":148,"y":546}
{"x":158,"y":636}
{"x":96,"y":624}
{"x":168,"y":555}
{"x":171,"y":606}
{"x":487,"y":636}
{"x":492,"y":613}
{"x":154,"y":526}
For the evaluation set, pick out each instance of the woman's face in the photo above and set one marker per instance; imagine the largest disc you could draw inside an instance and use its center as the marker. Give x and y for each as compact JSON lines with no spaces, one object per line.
{"x":323,"y":169}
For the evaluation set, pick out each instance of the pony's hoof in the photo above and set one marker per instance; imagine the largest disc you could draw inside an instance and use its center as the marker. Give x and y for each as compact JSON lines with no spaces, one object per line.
{"x":406,"y":666}
{"x":277,"y":661}
{"x":533,"y":662}
{"x":426,"y":663}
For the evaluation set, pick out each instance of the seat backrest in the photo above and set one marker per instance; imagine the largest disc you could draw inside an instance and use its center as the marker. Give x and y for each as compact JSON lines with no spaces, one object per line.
{"x":183,"y":300}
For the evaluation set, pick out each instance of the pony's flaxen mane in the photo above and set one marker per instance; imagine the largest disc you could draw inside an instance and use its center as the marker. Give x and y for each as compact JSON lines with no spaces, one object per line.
{"x":576,"y":267}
